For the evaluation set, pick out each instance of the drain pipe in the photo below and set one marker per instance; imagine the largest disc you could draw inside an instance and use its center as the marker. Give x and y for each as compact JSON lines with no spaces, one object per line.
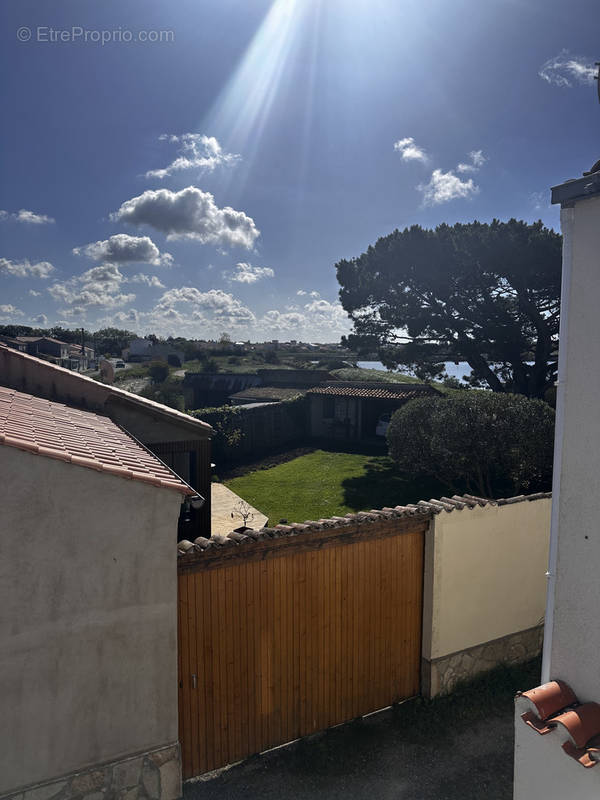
{"x":567,"y":218}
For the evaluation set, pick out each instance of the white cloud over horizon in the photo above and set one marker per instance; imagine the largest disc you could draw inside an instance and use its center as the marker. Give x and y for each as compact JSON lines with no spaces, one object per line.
{"x":189,"y":311}
{"x":189,"y":214}
{"x":8,"y":311}
{"x":98,"y":287}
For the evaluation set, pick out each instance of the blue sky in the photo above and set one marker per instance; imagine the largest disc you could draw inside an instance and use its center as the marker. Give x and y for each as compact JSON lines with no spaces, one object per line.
{"x":210,"y":180}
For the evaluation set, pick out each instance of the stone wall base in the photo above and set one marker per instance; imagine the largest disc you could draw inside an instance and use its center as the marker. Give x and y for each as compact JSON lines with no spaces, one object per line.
{"x":440,"y":675}
{"x":155,"y":775}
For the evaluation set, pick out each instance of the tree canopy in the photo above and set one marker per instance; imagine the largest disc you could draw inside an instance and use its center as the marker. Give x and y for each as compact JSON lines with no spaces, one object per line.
{"x":490,"y":444}
{"x":487,"y":294}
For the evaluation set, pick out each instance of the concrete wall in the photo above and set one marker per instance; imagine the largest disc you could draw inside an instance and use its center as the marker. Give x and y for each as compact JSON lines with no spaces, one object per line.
{"x":574,"y":633}
{"x":485,"y":588}
{"x":88,"y":587}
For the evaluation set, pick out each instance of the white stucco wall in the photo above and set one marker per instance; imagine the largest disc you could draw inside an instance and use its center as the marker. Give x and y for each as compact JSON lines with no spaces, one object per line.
{"x":484,"y":575}
{"x":543,"y":771}
{"x":573,"y":637}
{"x":88,"y":617}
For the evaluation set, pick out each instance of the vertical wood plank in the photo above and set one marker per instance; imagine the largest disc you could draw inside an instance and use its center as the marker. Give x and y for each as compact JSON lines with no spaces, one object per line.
{"x":296,"y":643}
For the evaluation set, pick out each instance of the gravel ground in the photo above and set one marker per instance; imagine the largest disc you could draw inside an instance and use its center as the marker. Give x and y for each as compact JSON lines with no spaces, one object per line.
{"x":393,"y":755}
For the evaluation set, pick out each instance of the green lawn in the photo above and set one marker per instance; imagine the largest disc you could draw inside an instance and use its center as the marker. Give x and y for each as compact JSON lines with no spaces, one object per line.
{"x":325,"y":484}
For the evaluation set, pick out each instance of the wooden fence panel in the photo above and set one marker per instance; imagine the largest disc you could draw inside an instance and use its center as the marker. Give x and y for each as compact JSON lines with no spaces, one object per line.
{"x":279,"y":645}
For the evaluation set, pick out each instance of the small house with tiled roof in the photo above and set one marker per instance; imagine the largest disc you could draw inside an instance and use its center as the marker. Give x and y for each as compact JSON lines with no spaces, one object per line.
{"x":179,"y":440}
{"x":88,"y":590}
{"x":354,"y":410}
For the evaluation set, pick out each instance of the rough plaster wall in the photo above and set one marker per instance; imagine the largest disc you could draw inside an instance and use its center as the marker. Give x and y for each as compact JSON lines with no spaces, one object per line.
{"x":576,"y":634}
{"x":484,"y":575}
{"x":88,"y":620}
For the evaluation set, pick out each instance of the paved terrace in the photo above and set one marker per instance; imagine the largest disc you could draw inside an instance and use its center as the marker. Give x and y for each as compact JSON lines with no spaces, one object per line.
{"x":223,"y":502}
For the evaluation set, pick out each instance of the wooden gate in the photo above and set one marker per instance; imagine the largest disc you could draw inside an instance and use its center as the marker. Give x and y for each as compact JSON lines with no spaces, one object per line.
{"x":282,"y":638}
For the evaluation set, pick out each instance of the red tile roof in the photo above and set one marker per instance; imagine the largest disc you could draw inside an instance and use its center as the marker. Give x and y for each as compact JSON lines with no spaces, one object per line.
{"x":84,"y":438}
{"x":374,"y":389}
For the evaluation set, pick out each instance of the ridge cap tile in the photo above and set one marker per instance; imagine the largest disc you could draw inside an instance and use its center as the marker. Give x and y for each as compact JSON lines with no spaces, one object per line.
{"x":421,"y":508}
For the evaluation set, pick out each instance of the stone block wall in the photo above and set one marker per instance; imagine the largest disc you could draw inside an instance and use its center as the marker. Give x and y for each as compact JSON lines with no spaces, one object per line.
{"x":441,"y":675}
{"x":155,"y":775}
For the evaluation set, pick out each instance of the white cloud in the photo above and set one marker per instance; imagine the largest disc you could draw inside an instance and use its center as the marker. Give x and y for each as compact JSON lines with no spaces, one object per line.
{"x":410,"y":151}
{"x":194,"y":151}
{"x":147,"y":280}
{"x":25,"y":269}
{"x":246,"y":273}
{"x":124,"y":249}
{"x":539,"y":200}
{"x":317,"y":320}
{"x":33,"y":293}
{"x":130,"y":317}
{"x":446,"y":186}
{"x":477,"y":161}
{"x":9,"y":310}
{"x":41,"y":320}
{"x":188,"y":311}
{"x":223,"y":306}
{"x":28,"y":217}
{"x":567,"y":70}
{"x":300,"y":292}
{"x":189,"y":214}
{"x":99,"y":287}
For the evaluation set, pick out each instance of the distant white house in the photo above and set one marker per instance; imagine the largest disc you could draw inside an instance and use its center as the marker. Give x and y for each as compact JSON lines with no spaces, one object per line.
{"x":148,"y":350}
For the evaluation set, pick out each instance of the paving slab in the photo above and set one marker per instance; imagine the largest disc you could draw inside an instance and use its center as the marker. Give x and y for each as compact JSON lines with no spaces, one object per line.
{"x":223,"y":503}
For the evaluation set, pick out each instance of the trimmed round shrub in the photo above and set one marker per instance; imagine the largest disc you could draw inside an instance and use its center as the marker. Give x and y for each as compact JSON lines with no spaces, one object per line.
{"x":487,"y":443}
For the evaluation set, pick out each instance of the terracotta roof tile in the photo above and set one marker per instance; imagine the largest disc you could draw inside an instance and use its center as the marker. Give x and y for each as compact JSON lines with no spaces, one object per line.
{"x":424,"y":508}
{"x":553,"y":708}
{"x":267,"y":393}
{"x":374,"y":389}
{"x":84,"y":438}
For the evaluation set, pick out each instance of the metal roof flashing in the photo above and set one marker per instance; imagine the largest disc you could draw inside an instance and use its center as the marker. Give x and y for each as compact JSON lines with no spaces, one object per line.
{"x":576,"y":189}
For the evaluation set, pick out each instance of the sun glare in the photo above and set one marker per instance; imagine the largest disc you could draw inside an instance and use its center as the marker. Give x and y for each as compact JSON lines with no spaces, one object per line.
{"x":242,"y":109}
